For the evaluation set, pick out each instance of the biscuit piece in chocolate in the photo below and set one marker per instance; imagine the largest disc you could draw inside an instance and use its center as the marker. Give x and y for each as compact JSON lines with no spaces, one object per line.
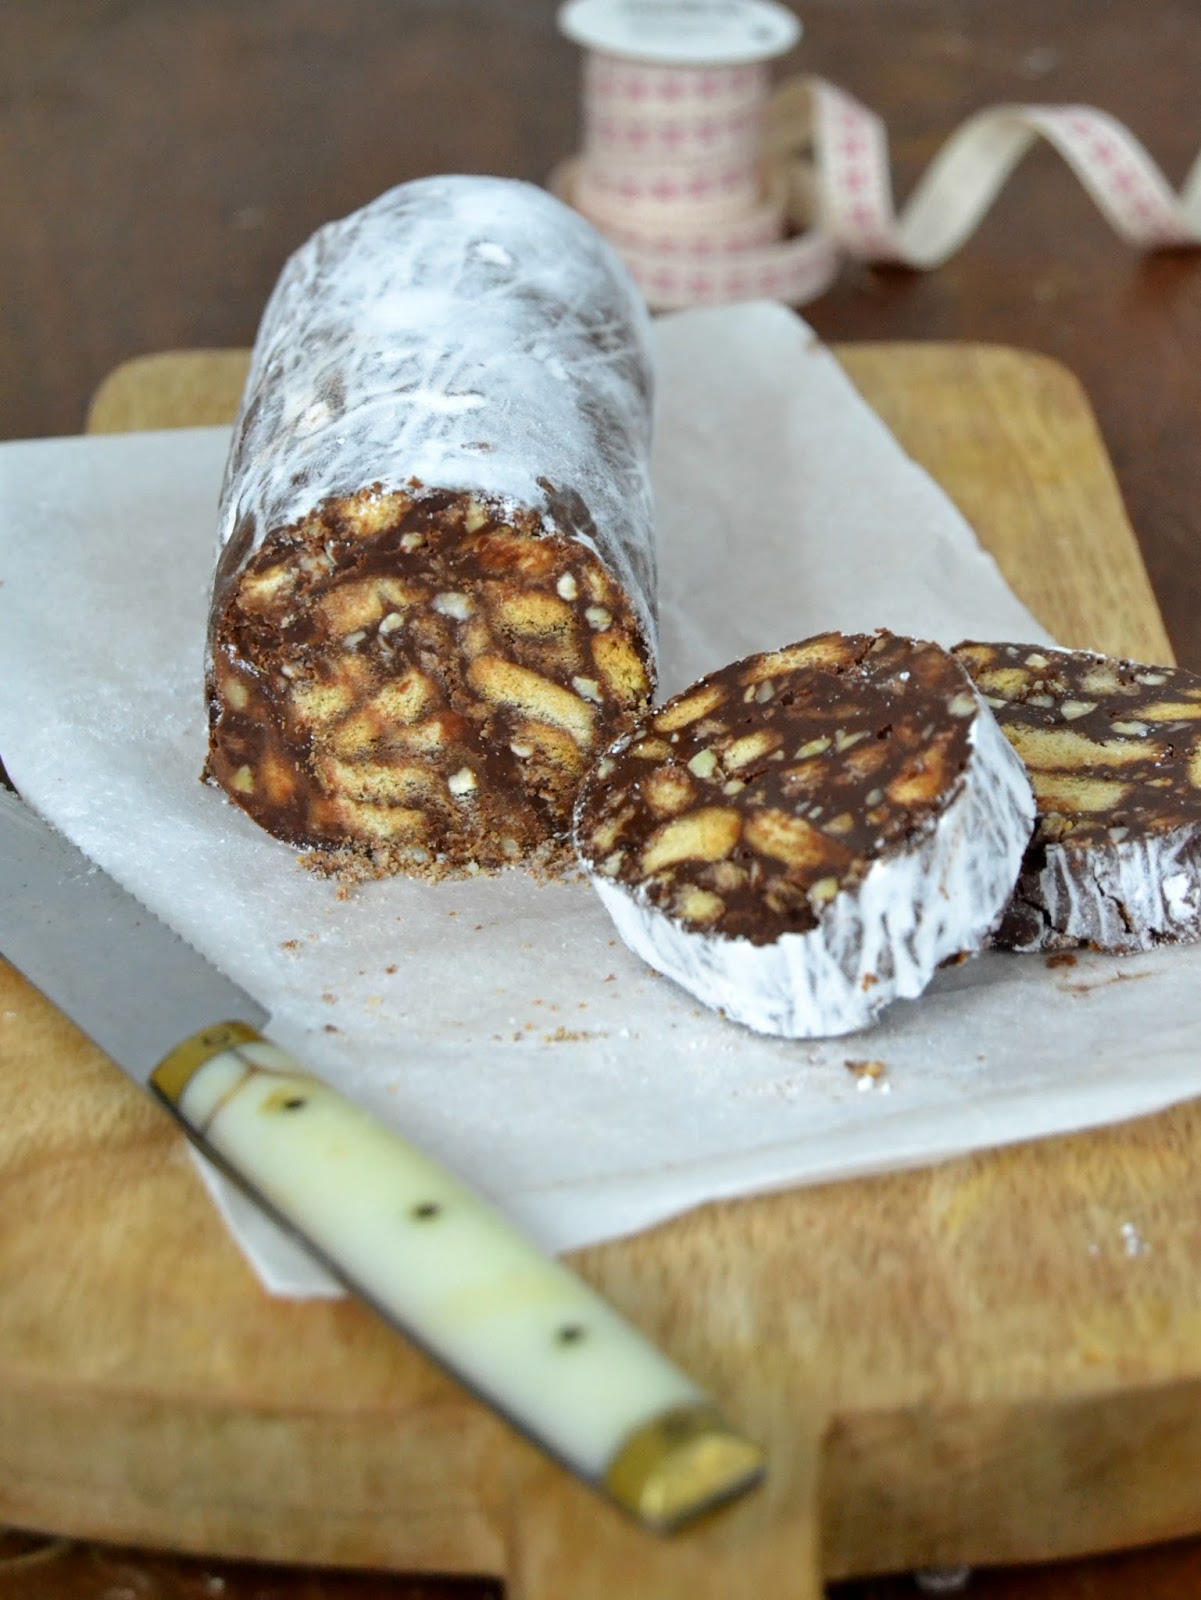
{"x":434,"y":601}
{"x":808,"y":834}
{"x":1113,"y":749}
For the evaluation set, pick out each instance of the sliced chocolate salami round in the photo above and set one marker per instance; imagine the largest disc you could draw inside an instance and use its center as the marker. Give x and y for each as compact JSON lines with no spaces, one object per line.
{"x":806,"y":835}
{"x":434,"y":602}
{"x":1113,"y":749}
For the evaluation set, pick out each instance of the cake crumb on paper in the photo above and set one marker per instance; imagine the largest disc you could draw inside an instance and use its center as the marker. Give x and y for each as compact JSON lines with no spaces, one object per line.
{"x":562,"y":1035}
{"x":868,"y":1072}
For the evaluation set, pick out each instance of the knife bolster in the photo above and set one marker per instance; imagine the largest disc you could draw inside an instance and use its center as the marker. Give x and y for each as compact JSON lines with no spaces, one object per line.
{"x":177,"y":1069}
{"x":681,"y":1464}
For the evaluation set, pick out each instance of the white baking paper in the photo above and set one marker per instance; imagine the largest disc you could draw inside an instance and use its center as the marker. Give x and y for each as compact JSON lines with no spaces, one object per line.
{"x":499,"y":1022}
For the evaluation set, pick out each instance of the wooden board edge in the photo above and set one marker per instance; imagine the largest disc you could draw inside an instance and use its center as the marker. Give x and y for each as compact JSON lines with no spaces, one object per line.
{"x":1049,"y":1481}
{"x":184,"y":388}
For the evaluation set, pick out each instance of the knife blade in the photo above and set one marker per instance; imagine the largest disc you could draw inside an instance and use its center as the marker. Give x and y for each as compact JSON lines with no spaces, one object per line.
{"x":409,"y":1238}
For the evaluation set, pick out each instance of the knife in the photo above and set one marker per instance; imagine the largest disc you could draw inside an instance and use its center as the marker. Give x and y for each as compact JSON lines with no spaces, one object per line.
{"x":418,"y":1245}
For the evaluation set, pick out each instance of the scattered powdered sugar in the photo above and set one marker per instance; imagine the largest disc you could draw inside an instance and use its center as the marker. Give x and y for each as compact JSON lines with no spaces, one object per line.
{"x":1133,"y":1241}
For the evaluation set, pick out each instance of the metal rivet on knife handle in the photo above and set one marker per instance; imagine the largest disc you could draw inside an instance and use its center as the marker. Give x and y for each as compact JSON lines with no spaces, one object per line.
{"x":434,"y":1259}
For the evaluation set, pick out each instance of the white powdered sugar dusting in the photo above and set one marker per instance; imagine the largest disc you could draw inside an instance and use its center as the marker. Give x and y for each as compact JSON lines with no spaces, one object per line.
{"x":472,"y":333}
{"x":1127,"y":895}
{"x":929,"y":899}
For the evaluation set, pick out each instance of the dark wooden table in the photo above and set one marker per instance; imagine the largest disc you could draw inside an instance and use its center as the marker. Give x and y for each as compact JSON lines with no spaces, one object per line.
{"x":159,"y":158}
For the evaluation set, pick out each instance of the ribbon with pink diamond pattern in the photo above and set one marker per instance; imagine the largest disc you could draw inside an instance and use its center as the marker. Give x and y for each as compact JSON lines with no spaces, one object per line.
{"x":715,"y":189}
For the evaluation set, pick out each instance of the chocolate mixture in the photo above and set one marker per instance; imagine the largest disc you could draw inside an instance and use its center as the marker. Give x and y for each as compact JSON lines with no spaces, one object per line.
{"x":417,"y":681}
{"x":747,"y":802}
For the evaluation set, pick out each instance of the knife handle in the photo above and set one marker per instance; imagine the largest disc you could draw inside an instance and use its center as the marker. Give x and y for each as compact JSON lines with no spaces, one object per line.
{"x":438,"y":1262}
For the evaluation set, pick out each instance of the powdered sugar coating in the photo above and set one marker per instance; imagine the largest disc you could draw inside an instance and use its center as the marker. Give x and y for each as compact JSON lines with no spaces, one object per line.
{"x":929,"y":899}
{"x":1121,"y":896}
{"x":472,"y":333}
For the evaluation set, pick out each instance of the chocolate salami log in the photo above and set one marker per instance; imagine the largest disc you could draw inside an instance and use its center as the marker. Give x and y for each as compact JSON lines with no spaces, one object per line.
{"x":434,"y":598}
{"x":1113,"y":749}
{"x":806,"y":835}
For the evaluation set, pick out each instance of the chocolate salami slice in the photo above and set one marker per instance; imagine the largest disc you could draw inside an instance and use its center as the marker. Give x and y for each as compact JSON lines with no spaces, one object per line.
{"x":434,"y":602}
{"x":809,"y":834}
{"x":1113,"y":749}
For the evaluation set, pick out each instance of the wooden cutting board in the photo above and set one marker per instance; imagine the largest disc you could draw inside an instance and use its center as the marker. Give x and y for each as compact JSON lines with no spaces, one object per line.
{"x":964,"y":1364}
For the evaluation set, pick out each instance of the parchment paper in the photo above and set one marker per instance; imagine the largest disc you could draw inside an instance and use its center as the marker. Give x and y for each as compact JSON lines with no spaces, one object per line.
{"x":498,"y":1022}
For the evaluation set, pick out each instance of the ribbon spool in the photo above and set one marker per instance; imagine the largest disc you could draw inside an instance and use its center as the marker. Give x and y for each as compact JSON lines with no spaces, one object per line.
{"x":715,"y":188}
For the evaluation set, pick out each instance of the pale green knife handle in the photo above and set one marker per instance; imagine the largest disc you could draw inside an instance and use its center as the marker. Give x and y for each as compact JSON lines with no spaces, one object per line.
{"x":519,"y":1328}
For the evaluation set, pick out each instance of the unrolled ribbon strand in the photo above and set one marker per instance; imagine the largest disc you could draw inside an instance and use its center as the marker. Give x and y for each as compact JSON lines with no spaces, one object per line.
{"x":714,"y":189}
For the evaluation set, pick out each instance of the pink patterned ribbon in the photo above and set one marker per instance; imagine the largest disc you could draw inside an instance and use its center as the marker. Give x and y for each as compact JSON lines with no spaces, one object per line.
{"x":714,"y":190}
